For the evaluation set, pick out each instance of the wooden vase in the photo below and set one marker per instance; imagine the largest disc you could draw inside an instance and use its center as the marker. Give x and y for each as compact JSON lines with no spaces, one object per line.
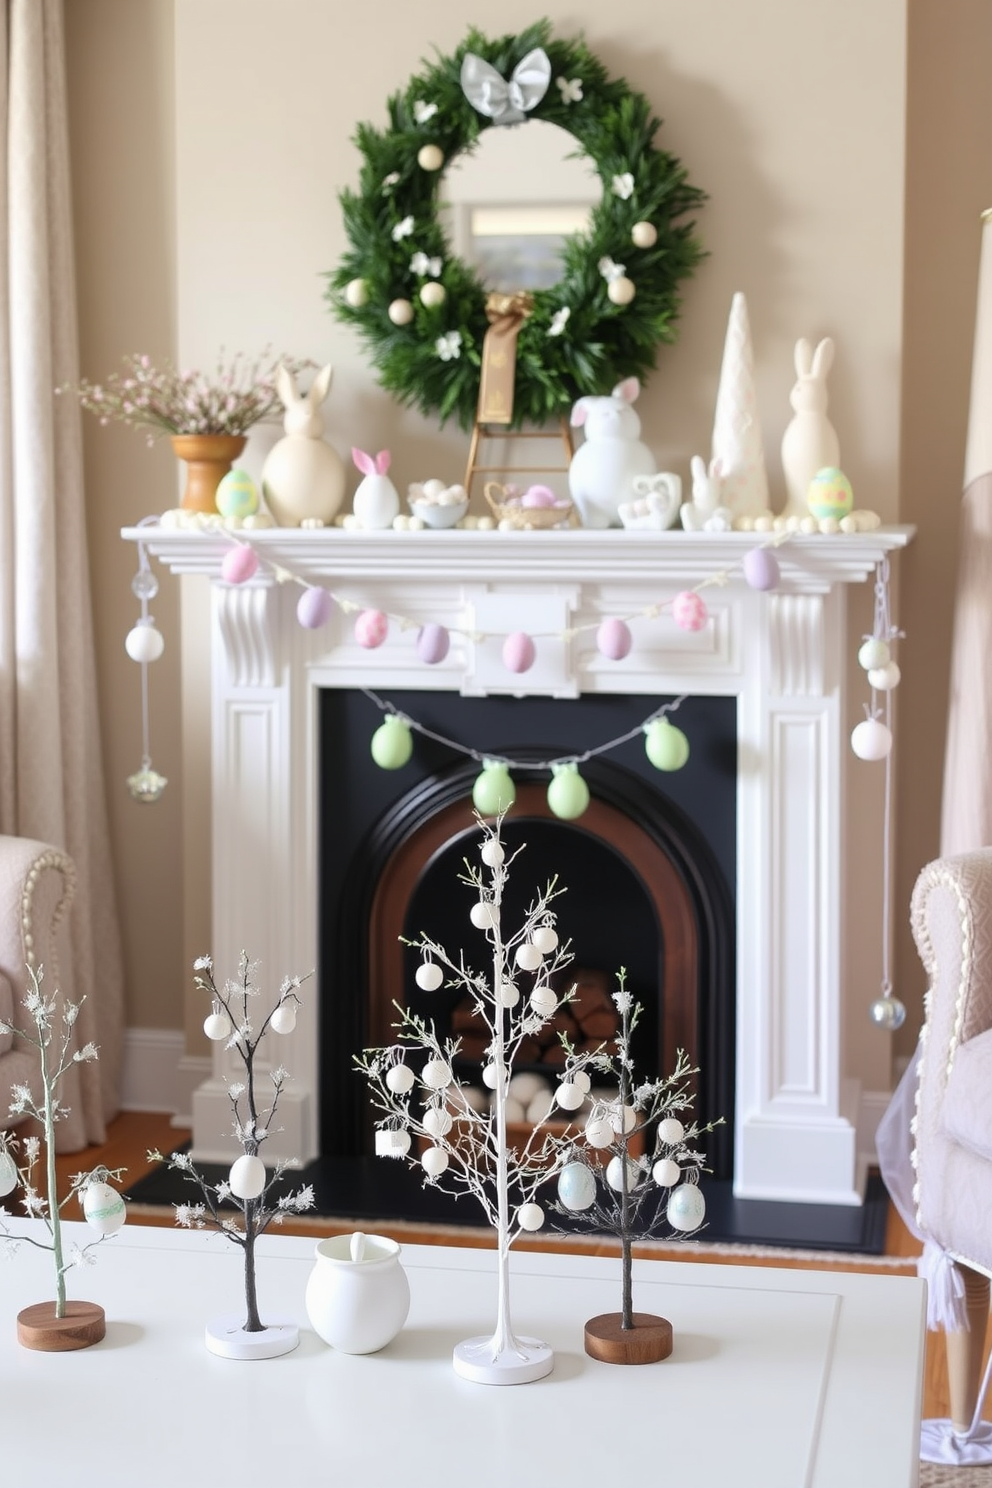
{"x":38,"y":1328}
{"x":208,"y":458}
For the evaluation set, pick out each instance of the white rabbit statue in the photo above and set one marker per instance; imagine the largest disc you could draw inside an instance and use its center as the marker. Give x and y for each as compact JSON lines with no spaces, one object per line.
{"x":706,"y":511}
{"x":376,"y":500}
{"x":603,"y":469}
{"x":810,"y":440}
{"x":303,"y":476}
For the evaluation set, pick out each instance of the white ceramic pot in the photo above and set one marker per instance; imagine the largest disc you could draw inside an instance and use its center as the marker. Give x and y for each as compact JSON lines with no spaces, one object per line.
{"x":358,"y":1296}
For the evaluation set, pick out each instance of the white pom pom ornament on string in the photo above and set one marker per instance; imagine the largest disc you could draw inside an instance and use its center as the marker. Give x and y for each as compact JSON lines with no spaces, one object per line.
{"x":871,"y":739}
{"x":144,"y":643}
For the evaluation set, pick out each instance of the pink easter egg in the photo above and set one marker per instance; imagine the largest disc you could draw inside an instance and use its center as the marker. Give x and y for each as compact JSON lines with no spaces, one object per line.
{"x":519,"y":652}
{"x":761,"y":569}
{"x":314,"y":608}
{"x":433,"y":642}
{"x":613,"y":639}
{"x":538,"y":496}
{"x":371,"y":629}
{"x":688,"y":611}
{"x":239,"y":565}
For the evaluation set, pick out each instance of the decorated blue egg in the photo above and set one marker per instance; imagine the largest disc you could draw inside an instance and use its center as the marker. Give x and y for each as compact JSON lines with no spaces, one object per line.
{"x":433,"y":642}
{"x":829,"y":494}
{"x":686,"y":1207}
{"x":576,"y":1187}
{"x":761,"y":569}
{"x":237,"y":495}
{"x":314,"y":607}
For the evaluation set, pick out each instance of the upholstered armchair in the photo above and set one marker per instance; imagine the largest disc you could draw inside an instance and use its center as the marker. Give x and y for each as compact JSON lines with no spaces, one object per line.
{"x":951,"y":1135}
{"x":36,"y":890}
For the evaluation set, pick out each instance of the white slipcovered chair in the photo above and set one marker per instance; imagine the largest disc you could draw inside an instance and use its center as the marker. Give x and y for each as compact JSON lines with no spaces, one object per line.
{"x":36,"y":890}
{"x":935,"y":1142}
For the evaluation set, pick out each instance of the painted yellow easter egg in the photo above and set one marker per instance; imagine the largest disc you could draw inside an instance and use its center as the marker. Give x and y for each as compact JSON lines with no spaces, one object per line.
{"x":829,"y":494}
{"x":237,"y":495}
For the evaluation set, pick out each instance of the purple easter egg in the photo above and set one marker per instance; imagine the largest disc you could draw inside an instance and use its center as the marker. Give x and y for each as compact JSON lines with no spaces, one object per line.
{"x":761,"y":568}
{"x":537,"y":496}
{"x":688,"y":611}
{"x":519,"y":652}
{"x":613,"y":639}
{"x":371,"y":629}
{"x":314,"y":608}
{"x":432,"y":643}
{"x":239,"y":565}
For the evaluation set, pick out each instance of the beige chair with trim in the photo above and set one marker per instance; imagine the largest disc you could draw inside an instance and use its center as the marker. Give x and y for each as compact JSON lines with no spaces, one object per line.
{"x":36,"y":890}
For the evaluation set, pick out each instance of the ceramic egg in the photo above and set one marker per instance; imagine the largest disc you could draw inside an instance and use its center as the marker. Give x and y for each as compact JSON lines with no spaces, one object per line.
{"x":829,"y":494}
{"x":665,"y":745}
{"x":666,"y":1172}
{"x":434,"y":1161}
{"x":433,"y":643}
{"x":644,"y":234}
{"x":493,"y":791}
{"x":437,"y":1122}
{"x":689,"y":611}
{"x":686,"y":1207}
{"x":530,"y":1216}
{"x":247,"y":1177}
{"x":237,"y":495}
{"x":400,"y":312}
{"x":492,"y":853}
{"x":239,"y":565}
{"x":599,"y":1131}
{"x":671,"y":1131}
{"x":614,"y":640}
{"x":437,"y":1074}
{"x":429,"y":976}
{"x":283,"y":1019}
{"x":519,"y":652}
{"x":430,"y":157}
{"x":313,"y":609}
{"x":569,"y":1096}
{"x":144,"y":643}
{"x":104,"y":1208}
{"x":761,"y":569}
{"x":371,"y":629}
{"x":399,"y":1079}
{"x":392,"y":1142}
{"x":356,"y":293}
{"x":576,"y":1187}
{"x":392,"y":743}
{"x":615,"y":1174}
{"x":217,"y":1026}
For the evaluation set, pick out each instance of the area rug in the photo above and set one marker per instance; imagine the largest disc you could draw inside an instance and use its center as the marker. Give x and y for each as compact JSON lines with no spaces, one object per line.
{"x":939,"y":1475}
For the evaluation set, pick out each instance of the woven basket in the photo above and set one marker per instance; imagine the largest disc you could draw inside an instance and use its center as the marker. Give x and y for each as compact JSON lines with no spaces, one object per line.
{"x":527,"y":518}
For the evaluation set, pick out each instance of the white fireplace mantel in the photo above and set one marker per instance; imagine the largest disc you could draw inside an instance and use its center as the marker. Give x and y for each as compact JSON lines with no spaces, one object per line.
{"x":783,"y":655}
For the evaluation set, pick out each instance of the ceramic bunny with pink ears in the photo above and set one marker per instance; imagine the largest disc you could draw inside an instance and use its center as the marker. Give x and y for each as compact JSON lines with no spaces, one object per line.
{"x":303,"y":477}
{"x":810,"y":440}
{"x":603,"y":469}
{"x":377,"y":501}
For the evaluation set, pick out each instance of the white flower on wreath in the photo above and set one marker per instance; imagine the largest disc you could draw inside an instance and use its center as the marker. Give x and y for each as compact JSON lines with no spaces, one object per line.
{"x":403,"y":229}
{"x":610,"y":270}
{"x":559,"y":321}
{"x":570,"y":89}
{"x":422,"y":265}
{"x":623,"y":186}
{"x":388,"y":182}
{"x":423,"y":111}
{"x":449,"y":346}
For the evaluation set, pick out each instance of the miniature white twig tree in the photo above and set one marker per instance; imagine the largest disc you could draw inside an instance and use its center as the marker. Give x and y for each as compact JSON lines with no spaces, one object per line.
{"x":467,"y":1150}
{"x":620,"y":1195}
{"x":61,"y":1325}
{"x":249,"y":1189}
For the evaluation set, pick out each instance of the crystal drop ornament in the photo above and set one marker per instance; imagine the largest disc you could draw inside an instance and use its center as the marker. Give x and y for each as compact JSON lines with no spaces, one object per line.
{"x":888,"y":1013}
{"x":146,"y":785}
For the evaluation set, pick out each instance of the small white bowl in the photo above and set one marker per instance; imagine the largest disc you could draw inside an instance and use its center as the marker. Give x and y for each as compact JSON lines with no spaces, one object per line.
{"x":434,"y":514}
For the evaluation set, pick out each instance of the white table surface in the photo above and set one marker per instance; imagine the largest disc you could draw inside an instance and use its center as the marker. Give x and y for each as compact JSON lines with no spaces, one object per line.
{"x":778,"y":1379}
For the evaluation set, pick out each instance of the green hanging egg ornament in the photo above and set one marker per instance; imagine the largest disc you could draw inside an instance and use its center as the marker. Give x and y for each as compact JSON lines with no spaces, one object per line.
{"x":493,"y":791}
{"x":568,"y":794}
{"x":665,"y":745}
{"x":392,"y":743}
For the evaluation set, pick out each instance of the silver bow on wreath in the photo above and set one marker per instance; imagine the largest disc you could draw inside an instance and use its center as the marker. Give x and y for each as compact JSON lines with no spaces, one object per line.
{"x":506,"y":102}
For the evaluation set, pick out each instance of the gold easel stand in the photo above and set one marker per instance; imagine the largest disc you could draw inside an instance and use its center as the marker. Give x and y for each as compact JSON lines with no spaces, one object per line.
{"x":484,"y":433}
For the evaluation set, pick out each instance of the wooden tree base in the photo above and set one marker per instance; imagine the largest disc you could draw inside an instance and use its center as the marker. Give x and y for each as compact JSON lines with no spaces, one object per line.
{"x":85,"y":1323}
{"x":649,"y":1340}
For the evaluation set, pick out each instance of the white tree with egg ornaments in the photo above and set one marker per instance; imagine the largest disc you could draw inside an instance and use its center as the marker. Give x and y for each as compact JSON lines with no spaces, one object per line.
{"x":467,"y":1151}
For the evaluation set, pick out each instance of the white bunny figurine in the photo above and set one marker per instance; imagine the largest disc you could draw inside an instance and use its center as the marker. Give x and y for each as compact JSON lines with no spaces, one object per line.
{"x":810,"y":440}
{"x":377,"y":500}
{"x":706,"y":511}
{"x":603,"y":468}
{"x":303,"y":476}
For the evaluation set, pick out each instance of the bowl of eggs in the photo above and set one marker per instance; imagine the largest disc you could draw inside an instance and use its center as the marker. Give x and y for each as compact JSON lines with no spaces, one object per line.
{"x":436,"y":504}
{"x":537,"y":507}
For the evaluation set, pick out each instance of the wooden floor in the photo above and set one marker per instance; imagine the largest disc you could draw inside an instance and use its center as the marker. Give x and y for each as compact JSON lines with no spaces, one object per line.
{"x":132,"y":1134}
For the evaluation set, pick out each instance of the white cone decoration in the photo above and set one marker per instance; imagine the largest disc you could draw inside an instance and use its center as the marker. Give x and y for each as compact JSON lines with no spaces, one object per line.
{"x":737,"y":440}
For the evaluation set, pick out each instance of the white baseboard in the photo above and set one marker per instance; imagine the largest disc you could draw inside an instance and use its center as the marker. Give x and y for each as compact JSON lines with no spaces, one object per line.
{"x":159,"y":1075}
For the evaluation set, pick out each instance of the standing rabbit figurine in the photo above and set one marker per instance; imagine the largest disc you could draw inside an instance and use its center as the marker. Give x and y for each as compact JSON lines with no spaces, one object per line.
{"x":377,"y":500}
{"x":303,"y":477}
{"x":602,"y":471}
{"x":810,"y":441}
{"x":706,"y":511}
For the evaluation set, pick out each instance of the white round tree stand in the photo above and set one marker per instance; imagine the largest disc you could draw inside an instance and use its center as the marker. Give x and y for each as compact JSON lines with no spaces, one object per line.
{"x":228,"y":1337}
{"x":525,"y":1359}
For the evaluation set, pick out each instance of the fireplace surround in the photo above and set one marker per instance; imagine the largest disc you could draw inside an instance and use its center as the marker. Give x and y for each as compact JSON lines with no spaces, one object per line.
{"x":780,"y":657}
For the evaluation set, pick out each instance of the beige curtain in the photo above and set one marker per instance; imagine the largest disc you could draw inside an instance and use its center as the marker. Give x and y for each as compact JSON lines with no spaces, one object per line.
{"x":51,"y":782}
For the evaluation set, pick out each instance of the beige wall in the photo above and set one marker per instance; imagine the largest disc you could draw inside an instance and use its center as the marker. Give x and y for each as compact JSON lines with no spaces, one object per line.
{"x":793,"y":118}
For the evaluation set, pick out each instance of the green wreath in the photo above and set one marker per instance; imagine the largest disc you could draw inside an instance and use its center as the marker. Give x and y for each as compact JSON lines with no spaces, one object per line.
{"x":576,"y":340}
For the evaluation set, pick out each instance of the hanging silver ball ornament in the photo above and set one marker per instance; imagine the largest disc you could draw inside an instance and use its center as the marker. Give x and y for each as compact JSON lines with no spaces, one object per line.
{"x":430,"y":157}
{"x":872,"y":740}
{"x":144,"y":643}
{"x":621,"y":291}
{"x":887,"y":1013}
{"x":883,"y":679}
{"x":433,"y":294}
{"x":146,"y":785}
{"x":356,"y":294}
{"x":874,"y":653}
{"x":144,"y":585}
{"x":400,"y":312}
{"x":644,"y":234}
